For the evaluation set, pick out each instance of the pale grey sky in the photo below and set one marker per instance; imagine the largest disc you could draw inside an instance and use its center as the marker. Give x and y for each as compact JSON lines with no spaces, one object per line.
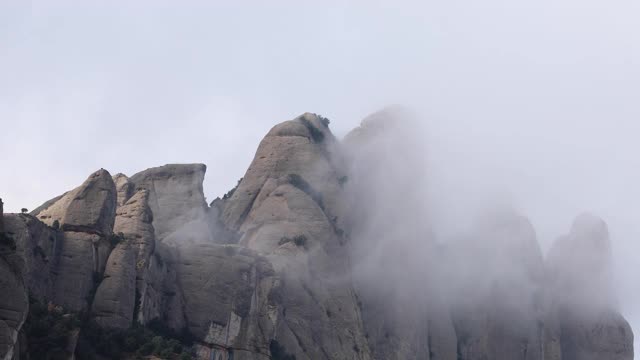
{"x":537,"y":102}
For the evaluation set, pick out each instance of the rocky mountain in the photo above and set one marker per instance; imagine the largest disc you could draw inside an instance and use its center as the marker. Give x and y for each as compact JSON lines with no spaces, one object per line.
{"x":313,"y":255}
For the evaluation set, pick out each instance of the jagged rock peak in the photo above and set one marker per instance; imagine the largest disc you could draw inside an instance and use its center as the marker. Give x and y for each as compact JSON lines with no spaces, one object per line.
{"x":299,"y":148}
{"x":87,"y":208}
{"x":309,"y":125}
{"x":124,"y":188}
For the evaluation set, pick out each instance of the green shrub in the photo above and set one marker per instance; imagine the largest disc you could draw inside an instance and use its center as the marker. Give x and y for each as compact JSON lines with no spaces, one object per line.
{"x":230,"y":192}
{"x":7,"y":241}
{"x":316,"y":134}
{"x":115,"y":239}
{"x":324,"y":120}
{"x":48,"y":330}
{"x":278,"y":352}
{"x":139,"y":340}
{"x":299,"y":240}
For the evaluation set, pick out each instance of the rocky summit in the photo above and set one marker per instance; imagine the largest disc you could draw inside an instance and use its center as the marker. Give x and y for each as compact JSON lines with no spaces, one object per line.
{"x":307,"y":258}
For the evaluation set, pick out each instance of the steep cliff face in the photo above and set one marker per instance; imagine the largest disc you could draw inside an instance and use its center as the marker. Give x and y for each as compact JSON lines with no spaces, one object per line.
{"x":39,"y":247}
{"x":86,"y":216}
{"x":126,"y":274}
{"x":13,"y":302}
{"x":177,"y":202}
{"x":230,"y":302}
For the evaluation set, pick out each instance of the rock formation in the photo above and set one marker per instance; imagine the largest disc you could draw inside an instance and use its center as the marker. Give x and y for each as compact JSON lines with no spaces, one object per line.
{"x":13,"y":302}
{"x":500,"y":314}
{"x":86,"y":216}
{"x":176,"y":199}
{"x":580,"y":280}
{"x":324,"y":250}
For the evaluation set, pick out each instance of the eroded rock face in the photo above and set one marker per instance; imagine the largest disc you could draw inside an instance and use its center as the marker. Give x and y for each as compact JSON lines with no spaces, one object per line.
{"x":134,"y":221}
{"x":39,"y":247}
{"x":322,"y":252}
{"x":301,"y":147}
{"x":229,"y":297}
{"x":114,"y":301}
{"x":286,"y":207}
{"x":582,"y":298}
{"x":86,"y":215}
{"x":124,"y":188}
{"x":14,"y":306}
{"x":177,"y":201}
{"x":140,"y":281}
{"x":14,"y":303}
{"x":88,"y":208}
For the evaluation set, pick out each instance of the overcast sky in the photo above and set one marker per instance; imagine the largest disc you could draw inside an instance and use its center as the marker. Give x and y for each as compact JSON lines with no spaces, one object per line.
{"x":536,"y":103}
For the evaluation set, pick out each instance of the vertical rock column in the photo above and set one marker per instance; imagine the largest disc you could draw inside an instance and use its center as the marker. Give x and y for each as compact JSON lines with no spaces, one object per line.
{"x":86,"y":215}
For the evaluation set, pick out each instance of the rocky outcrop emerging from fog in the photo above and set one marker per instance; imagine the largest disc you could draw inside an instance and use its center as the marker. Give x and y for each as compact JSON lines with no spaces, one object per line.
{"x":287,"y":208}
{"x":322,"y":251}
{"x":404,"y":308}
{"x":580,"y":279}
{"x":539,"y":309}
{"x":498,"y":315}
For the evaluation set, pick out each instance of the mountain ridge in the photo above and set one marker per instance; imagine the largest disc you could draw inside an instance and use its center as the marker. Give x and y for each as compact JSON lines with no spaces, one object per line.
{"x":305,"y":260}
